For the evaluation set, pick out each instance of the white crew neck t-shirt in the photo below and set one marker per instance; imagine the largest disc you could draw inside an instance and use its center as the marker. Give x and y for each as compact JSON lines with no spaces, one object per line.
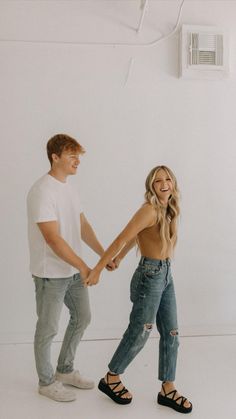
{"x":52,"y":200}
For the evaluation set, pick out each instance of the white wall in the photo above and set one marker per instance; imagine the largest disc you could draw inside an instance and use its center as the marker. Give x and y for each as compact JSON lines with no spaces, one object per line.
{"x":126,"y":129}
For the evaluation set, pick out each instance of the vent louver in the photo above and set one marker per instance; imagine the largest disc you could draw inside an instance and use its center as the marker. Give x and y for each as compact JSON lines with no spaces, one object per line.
{"x":204,"y":52}
{"x":206,"y":49}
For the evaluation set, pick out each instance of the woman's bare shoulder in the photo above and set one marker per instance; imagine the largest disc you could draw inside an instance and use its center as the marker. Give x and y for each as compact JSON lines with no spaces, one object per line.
{"x":149,"y":211}
{"x":149,"y":208}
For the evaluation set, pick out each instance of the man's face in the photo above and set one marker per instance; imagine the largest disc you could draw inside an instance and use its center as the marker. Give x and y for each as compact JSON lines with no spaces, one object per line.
{"x":67,"y":163}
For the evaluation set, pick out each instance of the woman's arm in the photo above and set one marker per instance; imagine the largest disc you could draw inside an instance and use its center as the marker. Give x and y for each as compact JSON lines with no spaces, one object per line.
{"x":143,"y":218}
{"x":118,"y":258}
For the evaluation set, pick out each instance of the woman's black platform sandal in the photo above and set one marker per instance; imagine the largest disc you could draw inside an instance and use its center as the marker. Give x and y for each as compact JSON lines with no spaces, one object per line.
{"x":116,"y":396}
{"x":172,"y":402}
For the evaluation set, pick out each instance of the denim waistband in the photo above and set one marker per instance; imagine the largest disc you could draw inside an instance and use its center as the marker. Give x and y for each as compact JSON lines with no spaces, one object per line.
{"x":155,"y":262}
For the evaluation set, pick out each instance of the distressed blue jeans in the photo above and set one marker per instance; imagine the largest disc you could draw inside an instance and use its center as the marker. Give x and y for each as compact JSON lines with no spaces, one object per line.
{"x":51,"y":293}
{"x":153,"y":297}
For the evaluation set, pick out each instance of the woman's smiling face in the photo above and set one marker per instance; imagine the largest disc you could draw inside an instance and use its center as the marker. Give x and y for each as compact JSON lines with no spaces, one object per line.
{"x":163,"y":185}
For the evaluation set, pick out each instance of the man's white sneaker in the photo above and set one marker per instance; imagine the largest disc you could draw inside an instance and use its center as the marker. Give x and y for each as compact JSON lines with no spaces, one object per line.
{"x":56,"y":391}
{"x":75,"y":379}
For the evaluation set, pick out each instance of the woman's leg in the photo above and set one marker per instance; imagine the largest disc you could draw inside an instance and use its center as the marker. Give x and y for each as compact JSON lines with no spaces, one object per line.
{"x":168,"y":349}
{"x":146,"y":293}
{"x":167,"y":326}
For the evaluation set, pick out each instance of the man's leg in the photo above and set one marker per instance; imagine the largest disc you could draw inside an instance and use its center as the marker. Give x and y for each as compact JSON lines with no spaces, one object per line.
{"x":49,"y":299}
{"x":77,"y":300}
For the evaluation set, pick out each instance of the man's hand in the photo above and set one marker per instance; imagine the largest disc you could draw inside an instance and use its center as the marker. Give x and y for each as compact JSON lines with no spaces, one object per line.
{"x":92,"y":278}
{"x":84,"y":272}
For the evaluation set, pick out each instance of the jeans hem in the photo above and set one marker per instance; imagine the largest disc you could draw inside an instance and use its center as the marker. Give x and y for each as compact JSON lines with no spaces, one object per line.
{"x":45,"y":385}
{"x":116,"y":371}
{"x":65,"y":371}
{"x":166,"y":378}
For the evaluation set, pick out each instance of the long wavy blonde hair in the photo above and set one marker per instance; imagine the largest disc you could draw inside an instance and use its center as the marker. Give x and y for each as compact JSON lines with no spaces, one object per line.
{"x":167,"y":217}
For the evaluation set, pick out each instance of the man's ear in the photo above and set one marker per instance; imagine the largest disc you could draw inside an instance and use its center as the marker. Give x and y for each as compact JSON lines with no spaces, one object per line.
{"x":55,"y":158}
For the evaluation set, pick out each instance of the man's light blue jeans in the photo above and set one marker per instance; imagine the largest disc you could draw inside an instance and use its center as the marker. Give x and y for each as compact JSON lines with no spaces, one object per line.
{"x":50,"y":296}
{"x":153,"y":297}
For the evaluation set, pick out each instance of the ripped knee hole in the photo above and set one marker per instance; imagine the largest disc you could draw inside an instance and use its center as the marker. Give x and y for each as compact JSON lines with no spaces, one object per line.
{"x":174,"y":332}
{"x":148,"y":327}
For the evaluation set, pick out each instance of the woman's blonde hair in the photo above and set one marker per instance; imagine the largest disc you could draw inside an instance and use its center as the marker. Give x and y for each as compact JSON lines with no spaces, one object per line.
{"x":167,"y":217}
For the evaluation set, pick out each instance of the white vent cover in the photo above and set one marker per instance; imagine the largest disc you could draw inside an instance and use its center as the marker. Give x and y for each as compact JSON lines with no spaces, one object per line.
{"x":203,"y":52}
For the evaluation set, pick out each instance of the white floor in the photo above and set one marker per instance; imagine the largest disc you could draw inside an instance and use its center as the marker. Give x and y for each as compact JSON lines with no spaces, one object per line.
{"x":206,"y":374}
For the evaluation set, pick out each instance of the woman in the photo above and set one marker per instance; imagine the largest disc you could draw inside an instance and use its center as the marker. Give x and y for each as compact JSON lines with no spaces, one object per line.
{"x":154,"y":228}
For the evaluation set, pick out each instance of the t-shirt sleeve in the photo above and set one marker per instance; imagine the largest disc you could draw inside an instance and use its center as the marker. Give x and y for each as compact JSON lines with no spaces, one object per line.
{"x":41,"y":206}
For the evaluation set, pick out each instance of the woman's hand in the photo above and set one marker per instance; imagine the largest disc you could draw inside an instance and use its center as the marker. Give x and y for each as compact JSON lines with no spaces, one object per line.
{"x":111,"y":266}
{"x":117,"y":261}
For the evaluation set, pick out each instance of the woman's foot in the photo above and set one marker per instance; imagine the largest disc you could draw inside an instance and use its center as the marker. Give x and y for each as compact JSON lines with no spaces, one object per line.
{"x":170,"y":397}
{"x":113,"y":387}
{"x":112,"y":379}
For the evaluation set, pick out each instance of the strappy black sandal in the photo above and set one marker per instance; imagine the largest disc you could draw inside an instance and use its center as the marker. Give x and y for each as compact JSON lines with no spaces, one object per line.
{"x":116,"y":396}
{"x":172,"y":402}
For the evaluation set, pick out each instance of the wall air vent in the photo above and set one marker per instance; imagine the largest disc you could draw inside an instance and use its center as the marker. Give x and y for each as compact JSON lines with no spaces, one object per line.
{"x":203,"y":52}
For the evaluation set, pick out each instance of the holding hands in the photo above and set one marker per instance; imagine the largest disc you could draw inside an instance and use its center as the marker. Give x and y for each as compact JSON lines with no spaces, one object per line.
{"x":93,"y":275}
{"x":110,"y":260}
{"x":92,"y":278}
{"x":112,"y":257}
{"x":84,"y":272}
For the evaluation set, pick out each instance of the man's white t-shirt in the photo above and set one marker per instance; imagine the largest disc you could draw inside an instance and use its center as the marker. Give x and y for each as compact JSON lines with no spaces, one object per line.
{"x":52,"y":200}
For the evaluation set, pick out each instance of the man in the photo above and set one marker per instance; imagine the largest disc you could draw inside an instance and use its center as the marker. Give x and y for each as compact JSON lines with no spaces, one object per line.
{"x":56,"y":225}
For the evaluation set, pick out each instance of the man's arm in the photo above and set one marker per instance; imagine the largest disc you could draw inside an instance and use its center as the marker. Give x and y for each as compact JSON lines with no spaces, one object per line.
{"x":89,"y":237}
{"x":50,"y":232}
